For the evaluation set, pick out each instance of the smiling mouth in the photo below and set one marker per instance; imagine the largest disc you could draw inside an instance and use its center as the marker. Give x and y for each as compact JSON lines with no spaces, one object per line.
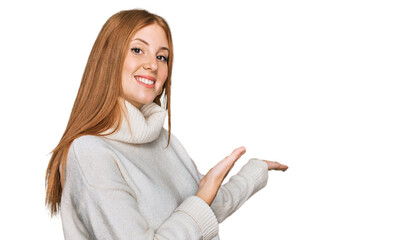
{"x":144,"y":80}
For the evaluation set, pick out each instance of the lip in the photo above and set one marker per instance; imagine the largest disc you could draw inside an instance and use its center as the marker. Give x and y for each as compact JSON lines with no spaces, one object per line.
{"x":146,"y":76}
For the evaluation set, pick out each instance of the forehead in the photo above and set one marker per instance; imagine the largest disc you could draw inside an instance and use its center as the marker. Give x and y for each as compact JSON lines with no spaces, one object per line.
{"x":152,"y":34}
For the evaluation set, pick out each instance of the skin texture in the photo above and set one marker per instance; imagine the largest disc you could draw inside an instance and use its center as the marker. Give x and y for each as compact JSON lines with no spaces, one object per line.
{"x":211,"y":182}
{"x":145,"y":59}
{"x":276,"y":166}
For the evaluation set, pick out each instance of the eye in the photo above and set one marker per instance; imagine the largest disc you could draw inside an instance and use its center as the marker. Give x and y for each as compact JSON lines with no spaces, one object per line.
{"x":163,"y":58}
{"x":136,"y":50}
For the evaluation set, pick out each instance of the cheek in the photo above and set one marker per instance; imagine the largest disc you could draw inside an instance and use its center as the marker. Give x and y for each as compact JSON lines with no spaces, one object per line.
{"x":126,"y":74}
{"x":128,"y":68}
{"x":130,"y":64}
{"x":164,"y":72}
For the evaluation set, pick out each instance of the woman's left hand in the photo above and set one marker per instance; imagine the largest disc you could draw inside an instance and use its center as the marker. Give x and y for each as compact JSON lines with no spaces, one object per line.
{"x":276,"y":166}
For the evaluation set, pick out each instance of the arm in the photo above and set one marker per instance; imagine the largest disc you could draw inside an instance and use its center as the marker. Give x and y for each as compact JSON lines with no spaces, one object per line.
{"x":107,"y":208}
{"x":252,"y":177}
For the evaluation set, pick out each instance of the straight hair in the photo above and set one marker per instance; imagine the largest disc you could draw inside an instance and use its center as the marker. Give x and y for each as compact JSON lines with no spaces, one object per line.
{"x":96,"y":108}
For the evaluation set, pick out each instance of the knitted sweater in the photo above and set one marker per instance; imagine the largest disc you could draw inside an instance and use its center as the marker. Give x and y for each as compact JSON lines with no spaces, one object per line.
{"x":128,"y":186}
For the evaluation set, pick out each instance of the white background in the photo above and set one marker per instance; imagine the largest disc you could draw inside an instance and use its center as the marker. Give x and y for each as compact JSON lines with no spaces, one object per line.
{"x":326,"y":87}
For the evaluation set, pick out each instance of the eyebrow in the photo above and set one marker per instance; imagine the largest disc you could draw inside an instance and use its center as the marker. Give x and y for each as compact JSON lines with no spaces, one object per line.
{"x":146,"y":43}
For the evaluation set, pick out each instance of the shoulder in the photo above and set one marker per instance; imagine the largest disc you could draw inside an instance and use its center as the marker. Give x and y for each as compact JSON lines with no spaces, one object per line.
{"x":165,"y":135}
{"x":94,"y":159}
{"x":175,"y":144}
{"x":89,"y":148}
{"x":84,"y":143}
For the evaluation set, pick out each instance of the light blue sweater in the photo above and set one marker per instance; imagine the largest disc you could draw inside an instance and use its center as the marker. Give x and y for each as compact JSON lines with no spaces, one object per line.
{"x":128,"y":186}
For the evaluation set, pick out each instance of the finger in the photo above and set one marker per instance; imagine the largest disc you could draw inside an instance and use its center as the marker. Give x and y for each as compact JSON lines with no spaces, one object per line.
{"x":231,"y":159}
{"x":236,"y":154}
{"x":228,"y":162}
{"x":279,"y":166}
{"x":239,"y":152}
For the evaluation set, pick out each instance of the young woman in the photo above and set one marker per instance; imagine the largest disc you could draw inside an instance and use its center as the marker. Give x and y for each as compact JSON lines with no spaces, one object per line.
{"x":117,"y":173}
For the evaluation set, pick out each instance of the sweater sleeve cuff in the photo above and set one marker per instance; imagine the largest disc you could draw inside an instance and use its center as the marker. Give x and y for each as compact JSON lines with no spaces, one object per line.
{"x":202,"y":214}
{"x":256,"y":169}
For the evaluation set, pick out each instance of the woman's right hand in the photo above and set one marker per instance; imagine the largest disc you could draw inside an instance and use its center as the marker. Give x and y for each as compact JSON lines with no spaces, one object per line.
{"x":211,"y":182}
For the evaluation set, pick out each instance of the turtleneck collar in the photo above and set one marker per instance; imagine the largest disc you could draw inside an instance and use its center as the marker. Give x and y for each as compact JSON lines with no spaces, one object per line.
{"x":139,"y":125}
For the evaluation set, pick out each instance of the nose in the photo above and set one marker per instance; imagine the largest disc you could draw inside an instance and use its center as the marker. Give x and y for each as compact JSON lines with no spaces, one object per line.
{"x":150,"y":63}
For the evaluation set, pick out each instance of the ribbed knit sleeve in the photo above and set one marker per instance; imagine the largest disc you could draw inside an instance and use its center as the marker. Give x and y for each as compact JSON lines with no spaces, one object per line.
{"x":252,"y":177}
{"x":104,"y":207}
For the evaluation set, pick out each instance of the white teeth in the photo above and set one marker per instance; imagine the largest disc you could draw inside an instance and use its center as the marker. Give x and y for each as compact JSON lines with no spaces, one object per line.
{"x":145,"y":80}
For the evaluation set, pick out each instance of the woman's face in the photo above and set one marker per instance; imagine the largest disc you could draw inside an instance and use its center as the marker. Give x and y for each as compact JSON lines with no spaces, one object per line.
{"x":146,"y":60}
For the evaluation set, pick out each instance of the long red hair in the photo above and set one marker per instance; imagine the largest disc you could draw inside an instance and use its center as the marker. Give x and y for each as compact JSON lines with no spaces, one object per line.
{"x":96,"y":107}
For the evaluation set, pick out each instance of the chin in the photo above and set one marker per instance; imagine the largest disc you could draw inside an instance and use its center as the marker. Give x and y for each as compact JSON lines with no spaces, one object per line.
{"x":145,"y":101}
